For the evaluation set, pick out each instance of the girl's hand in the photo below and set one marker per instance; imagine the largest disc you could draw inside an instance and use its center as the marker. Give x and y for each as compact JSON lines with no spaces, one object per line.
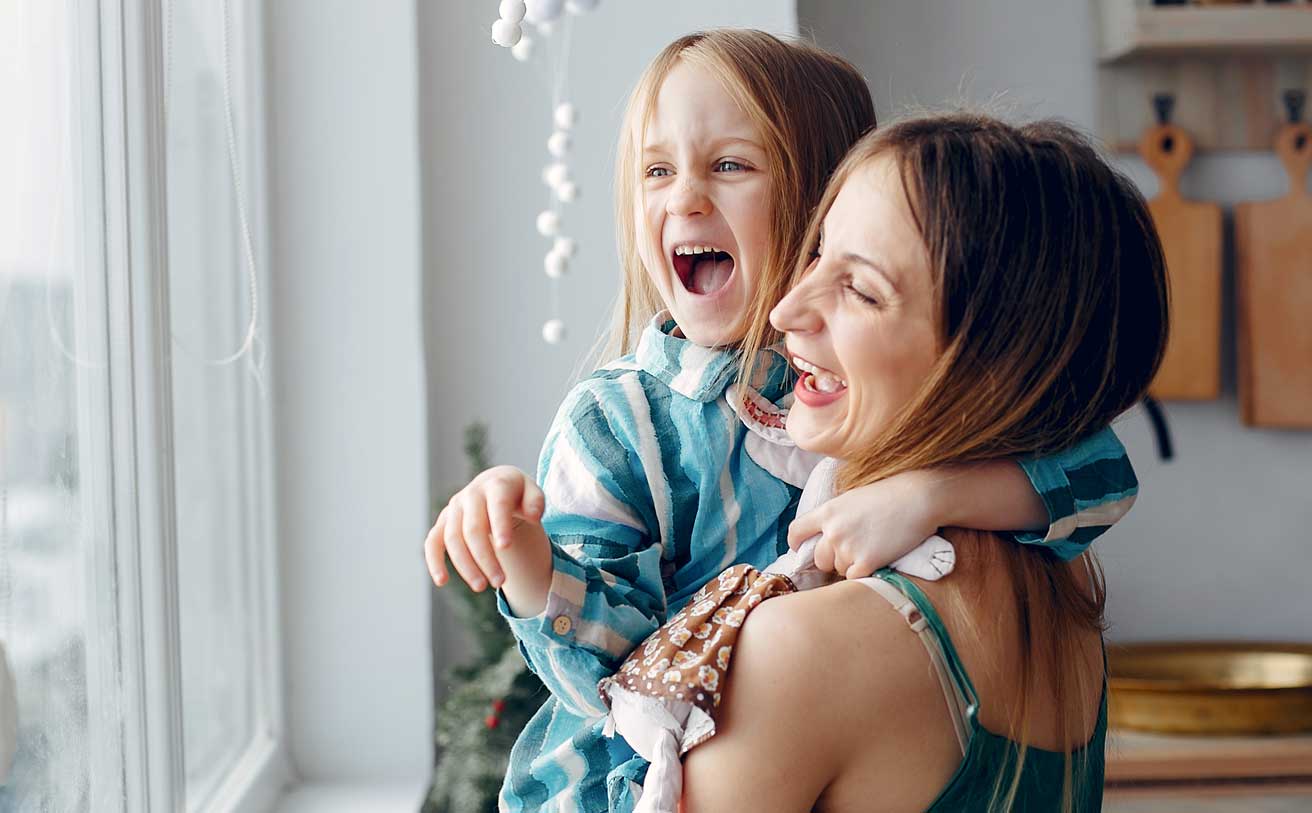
{"x":486,"y":528}
{"x":869,"y":527}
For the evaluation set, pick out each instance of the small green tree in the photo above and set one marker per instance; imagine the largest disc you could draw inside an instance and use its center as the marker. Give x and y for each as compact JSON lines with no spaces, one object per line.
{"x":489,"y":700}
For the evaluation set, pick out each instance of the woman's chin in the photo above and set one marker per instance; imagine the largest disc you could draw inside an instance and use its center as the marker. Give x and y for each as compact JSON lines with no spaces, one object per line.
{"x":810,"y":434}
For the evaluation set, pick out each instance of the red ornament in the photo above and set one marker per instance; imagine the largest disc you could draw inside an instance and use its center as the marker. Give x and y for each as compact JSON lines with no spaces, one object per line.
{"x":492,"y":721}
{"x":498,"y":706}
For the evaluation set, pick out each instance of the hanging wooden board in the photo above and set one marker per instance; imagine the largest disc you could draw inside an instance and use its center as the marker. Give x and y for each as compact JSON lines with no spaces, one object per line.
{"x":1273,"y":244}
{"x":1190,"y":232}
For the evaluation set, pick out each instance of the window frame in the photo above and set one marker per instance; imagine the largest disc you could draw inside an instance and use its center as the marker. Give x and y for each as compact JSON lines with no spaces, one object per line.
{"x":141,"y":547}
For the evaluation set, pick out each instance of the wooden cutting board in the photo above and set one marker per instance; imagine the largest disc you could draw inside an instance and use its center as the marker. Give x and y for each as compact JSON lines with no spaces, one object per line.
{"x":1190,"y":232}
{"x":1273,"y":245}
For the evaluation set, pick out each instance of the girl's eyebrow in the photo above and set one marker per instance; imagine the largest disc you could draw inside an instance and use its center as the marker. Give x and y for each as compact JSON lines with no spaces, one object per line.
{"x":716,"y":145}
{"x":735,"y":140}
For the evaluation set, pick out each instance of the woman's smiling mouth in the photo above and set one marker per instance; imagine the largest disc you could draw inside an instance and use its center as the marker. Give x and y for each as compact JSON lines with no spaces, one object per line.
{"x":817,"y":386}
{"x":704,"y":270}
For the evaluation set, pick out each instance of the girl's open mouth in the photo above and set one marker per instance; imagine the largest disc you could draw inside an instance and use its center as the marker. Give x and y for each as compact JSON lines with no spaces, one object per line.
{"x":703,"y":270}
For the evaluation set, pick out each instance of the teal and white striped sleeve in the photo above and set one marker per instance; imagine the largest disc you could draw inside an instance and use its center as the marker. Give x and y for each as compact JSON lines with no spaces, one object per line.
{"x":1086,"y":489}
{"x":606,"y":593}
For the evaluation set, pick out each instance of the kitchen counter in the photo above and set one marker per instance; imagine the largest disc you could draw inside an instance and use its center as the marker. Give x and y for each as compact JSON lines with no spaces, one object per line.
{"x":1229,"y":801}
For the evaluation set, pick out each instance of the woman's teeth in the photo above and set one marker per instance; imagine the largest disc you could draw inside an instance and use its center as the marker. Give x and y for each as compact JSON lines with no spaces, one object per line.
{"x":818,"y":379}
{"x":824,"y":383}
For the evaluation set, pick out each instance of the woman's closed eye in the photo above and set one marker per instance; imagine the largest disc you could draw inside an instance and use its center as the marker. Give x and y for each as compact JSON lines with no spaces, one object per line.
{"x":867,"y":298}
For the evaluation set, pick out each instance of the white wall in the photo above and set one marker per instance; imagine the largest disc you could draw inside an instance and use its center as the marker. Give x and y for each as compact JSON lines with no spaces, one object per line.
{"x":350,"y":414}
{"x":485,"y":122}
{"x":1220,"y":541}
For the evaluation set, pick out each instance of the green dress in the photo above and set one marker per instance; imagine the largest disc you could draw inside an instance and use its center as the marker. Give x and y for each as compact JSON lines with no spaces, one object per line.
{"x":986,"y":754}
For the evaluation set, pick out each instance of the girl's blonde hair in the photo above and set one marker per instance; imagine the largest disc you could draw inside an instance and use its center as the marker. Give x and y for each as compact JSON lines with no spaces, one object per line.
{"x":1051,"y":300}
{"x":809,"y":107}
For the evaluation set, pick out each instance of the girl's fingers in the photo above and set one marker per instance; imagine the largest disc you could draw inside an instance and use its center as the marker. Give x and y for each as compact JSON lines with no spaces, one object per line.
{"x":858,"y":570}
{"x":478,"y":537}
{"x":503,"y":500}
{"x":805,"y":527}
{"x":824,"y":556}
{"x":841,"y":561}
{"x":535,"y":502}
{"x":435,"y":550}
{"x":459,"y":554}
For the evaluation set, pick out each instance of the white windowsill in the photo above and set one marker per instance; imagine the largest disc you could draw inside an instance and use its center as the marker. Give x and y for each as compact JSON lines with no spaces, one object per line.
{"x":328,"y":797}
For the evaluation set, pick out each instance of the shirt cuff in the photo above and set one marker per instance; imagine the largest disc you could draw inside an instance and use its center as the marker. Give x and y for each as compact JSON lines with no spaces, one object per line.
{"x":1050,"y":481}
{"x":557,"y":623}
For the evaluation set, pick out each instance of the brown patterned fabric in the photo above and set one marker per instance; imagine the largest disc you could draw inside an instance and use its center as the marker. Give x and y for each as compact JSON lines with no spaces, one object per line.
{"x":688,"y":657}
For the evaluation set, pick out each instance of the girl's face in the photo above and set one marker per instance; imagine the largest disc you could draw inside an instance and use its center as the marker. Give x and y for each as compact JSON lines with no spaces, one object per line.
{"x":860,"y":324}
{"x":705,"y":199}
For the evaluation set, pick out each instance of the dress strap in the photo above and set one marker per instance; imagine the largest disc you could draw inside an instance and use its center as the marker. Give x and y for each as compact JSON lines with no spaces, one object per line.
{"x":919,"y":613}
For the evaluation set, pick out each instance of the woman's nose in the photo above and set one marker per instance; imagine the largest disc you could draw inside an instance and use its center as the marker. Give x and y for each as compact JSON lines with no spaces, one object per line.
{"x":688,"y":198}
{"x":796,"y":312}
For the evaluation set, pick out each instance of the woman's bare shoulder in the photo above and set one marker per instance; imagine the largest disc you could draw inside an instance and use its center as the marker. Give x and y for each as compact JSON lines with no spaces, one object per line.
{"x":832,"y":641}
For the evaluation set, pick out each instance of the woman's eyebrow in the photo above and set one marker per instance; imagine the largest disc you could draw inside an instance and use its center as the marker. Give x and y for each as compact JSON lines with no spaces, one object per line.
{"x":858,"y":259}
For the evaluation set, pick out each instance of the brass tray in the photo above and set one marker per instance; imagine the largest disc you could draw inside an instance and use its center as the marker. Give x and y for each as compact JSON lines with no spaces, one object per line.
{"x":1211,"y":688}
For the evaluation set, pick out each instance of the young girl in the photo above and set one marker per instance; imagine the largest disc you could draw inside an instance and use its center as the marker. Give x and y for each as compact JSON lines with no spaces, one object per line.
{"x":670,"y":464}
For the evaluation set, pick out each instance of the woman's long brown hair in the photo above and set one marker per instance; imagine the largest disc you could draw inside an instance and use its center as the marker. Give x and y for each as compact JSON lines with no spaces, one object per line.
{"x":1051,"y":298}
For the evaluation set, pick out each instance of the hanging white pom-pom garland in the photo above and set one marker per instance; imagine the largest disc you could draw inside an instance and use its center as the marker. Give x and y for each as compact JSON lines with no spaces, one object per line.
{"x":508,"y":32}
{"x":553,"y":332}
{"x":512,"y":10}
{"x":523,"y":50}
{"x":544,"y":11}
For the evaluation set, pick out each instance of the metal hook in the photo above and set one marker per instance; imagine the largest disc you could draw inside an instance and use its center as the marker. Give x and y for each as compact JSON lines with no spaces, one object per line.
{"x":1294,"y":101}
{"x":1164,"y":104}
{"x":1165,"y":449}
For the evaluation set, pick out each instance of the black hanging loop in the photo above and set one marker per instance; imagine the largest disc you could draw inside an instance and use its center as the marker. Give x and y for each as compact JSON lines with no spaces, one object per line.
{"x":1294,"y":101}
{"x":1162,"y":432}
{"x":1164,"y":104}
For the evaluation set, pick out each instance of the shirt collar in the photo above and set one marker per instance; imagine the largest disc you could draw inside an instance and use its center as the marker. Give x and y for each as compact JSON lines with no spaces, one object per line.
{"x":697,"y":372}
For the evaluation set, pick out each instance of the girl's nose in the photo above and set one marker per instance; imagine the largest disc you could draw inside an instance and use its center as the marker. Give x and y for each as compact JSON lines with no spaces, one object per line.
{"x":797,"y":311}
{"x":688,"y":198}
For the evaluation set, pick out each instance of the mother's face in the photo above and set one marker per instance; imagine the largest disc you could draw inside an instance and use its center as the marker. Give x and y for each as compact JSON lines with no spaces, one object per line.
{"x":860,"y":324}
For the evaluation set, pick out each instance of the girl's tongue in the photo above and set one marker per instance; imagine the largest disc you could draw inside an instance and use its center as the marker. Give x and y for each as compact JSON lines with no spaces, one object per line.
{"x":710,"y":272}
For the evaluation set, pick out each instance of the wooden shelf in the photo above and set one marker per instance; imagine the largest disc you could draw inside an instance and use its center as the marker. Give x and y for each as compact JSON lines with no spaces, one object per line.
{"x":1131,"y":30}
{"x":1134,"y":758}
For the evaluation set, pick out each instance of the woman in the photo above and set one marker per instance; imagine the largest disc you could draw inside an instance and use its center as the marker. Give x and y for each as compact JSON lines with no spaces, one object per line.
{"x":978,"y":290}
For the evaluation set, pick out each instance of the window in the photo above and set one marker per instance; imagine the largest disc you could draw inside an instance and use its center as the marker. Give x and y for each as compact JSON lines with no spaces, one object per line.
{"x":137,"y":579}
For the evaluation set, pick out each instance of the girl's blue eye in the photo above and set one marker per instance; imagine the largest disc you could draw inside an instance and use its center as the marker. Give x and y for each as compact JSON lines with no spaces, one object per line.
{"x":658,"y":172}
{"x":732,"y":166}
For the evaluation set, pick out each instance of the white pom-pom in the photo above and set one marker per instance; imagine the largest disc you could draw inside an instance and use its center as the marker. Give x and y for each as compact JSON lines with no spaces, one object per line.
{"x":555,"y":264}
{"x":568,"y":191}
{"x":559,"y":143}
{"x":543,"y":11}
{"x":513,"y":10}
{"x":548,"y":223}
{"x":553,"y":331}
{"x":565,"y":116}
{"x":553,"y":175}
{"x":581,"y":6}
{"x":522,"y":50}
{"x":506,"y":33}
{"x":565,"y":246}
